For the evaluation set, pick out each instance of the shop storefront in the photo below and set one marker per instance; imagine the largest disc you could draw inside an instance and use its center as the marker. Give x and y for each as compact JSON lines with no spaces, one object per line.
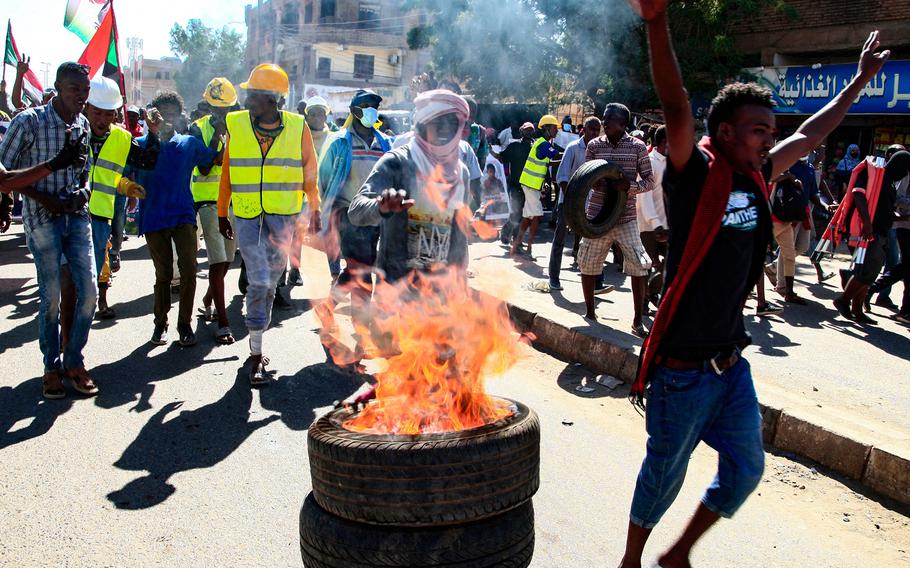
{"x":879,"y":116}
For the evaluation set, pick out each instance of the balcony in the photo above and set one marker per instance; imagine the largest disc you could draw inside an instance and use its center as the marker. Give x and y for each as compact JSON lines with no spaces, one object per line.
{"x":344,"y":35}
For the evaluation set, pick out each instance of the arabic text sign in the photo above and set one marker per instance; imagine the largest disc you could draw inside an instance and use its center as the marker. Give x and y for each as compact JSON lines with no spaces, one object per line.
{"x":805,"y":90}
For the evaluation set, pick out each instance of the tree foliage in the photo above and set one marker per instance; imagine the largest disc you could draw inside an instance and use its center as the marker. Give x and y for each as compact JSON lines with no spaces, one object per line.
{"x":575,"y":50}
{"x":206,"y":53}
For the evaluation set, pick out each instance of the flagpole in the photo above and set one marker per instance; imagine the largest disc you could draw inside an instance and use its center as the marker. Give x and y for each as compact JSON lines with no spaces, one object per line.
{"x":9,"y":24}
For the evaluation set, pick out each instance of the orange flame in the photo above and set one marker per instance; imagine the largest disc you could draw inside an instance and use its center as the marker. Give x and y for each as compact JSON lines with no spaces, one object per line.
{"x":439,"y":340}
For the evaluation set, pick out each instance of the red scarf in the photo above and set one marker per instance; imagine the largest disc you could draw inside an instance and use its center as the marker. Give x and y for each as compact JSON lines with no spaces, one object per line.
{"x":712,"y":205}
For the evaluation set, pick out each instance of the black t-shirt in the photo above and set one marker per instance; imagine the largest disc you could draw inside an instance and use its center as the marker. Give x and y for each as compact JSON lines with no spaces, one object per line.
{"x":884,"y":209}
{"x":515,"y":156}
{"x":709,"y":317}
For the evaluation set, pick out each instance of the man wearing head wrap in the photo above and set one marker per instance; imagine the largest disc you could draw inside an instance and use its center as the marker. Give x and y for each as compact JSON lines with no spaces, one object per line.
{"x":346,"y":161}
{"x":415,"y":191}
{"x":874,"y":201}
{"x":842,"y":173}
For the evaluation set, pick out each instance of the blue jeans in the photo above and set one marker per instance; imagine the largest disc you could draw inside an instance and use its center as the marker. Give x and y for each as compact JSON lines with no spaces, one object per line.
{"x":118,"y":224}
{"x":101,"y":234}
{"x":685,"y":408}
{"x":68,"y":236}
{"x":264,"y":243}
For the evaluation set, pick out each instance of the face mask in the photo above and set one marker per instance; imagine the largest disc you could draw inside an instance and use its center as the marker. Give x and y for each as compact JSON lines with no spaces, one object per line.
{"x":567,"y":127}
{"x":369,"y":117}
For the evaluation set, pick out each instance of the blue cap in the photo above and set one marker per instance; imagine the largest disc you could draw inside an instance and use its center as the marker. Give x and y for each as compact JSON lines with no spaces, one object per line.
{"x":365,"y":95}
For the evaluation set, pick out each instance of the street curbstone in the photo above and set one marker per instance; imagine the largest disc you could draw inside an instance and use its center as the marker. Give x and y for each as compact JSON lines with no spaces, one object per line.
{"x":551,"y":335}
{"x":889,"y":474}
{"x":830,"y":449}
{"x":524,"y":320}
{"x":770,"y":416}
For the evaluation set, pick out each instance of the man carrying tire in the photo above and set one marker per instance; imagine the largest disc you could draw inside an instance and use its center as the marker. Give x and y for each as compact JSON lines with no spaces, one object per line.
{"x":630,"y":154}
{"x":698,"y":386}
{"x":532,"y":177}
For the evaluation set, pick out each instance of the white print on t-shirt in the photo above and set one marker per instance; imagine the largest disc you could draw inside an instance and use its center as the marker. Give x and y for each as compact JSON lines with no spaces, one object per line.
{"x":428,"y":242}
{"x":742,"y":214}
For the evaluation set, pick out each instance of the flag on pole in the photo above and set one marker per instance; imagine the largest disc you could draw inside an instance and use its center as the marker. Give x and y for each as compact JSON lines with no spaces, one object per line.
{"x":83,"y":17}
{"x":31,"y":86}
{"x":101,"y":54}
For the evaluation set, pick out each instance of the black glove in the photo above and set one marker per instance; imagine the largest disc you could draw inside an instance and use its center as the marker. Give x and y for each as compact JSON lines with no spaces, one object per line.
{"x":74,"y":153}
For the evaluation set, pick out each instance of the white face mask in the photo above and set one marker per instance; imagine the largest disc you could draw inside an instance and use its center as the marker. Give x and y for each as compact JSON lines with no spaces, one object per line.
{"x":369,"y":117}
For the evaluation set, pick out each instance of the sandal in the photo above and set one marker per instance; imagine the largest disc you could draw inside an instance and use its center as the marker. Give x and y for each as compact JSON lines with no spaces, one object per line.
{"x":207,"y":313}
{"x":52,"y":386}
{"x":223,"y":336}
{"x":640,"y":331}
{"x":259,"y":375}
{"x":107,"y":313}
{"x":82,"y":382}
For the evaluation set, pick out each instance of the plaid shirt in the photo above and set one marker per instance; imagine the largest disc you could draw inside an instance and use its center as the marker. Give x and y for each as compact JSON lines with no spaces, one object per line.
{"x":35,"y":136}
{"x":631,"y":155}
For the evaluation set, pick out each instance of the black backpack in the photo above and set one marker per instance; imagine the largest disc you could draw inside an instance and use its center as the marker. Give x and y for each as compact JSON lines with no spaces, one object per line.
{"x":788,"y":201}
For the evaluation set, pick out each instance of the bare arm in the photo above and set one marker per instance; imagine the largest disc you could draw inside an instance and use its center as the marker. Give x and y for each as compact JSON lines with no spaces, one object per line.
{"x":20,"y":180}
{"x":669,"y":86}
{"x":820,"y":124}
{"x":21,"y":70}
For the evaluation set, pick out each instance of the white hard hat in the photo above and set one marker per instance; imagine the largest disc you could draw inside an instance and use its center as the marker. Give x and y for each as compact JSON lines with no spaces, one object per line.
{"x":318,"y":102}
{"x":104,"y":94}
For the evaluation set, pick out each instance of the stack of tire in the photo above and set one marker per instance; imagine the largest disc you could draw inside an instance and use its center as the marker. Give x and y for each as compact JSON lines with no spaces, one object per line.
{"x":456,"y":499}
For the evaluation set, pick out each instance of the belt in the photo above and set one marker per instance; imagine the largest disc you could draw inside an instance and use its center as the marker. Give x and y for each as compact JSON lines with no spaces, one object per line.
{"x":718,"y":363}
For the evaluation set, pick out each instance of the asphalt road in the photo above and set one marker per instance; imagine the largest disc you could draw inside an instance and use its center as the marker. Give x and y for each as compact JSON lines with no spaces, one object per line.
{"x":178,"y":463}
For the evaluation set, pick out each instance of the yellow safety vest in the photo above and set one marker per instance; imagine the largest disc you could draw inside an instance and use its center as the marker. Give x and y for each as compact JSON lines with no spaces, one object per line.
{"x":205,"y":187}
{"x":535,"y":171}
{"x":107,"y":170}
{"x":272,"y":184}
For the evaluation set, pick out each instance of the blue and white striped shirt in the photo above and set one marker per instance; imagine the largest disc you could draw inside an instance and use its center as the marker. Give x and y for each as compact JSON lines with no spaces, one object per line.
{"x":35,"y":136}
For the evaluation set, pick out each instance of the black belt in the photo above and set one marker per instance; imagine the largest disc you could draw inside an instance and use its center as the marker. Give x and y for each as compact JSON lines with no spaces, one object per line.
{"x":719,"y":363}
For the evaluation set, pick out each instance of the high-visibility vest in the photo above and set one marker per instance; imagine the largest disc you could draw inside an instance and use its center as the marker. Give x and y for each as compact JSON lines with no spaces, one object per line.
{"x":107,"y":170}
{"x":272,"y":184}
{"x":205,"y":187}
{"x":535,"y":171}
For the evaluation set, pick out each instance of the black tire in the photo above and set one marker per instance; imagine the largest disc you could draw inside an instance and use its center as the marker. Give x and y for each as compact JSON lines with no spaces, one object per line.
{"x":503,"y":541}
{"x":430,"y":479}
{"x":577,"y":193}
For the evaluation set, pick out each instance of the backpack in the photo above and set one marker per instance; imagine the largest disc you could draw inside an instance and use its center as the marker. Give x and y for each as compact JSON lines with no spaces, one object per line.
{"x":788,"y":202}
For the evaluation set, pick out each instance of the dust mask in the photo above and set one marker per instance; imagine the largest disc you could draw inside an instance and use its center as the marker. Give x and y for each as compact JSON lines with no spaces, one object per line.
{"x":369,"y":117}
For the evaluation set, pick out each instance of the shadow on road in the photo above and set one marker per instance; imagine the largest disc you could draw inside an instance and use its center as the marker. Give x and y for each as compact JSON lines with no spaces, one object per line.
{"x":575,"y":376}
{"x":173,"y":442}
{"x":23,"y":403}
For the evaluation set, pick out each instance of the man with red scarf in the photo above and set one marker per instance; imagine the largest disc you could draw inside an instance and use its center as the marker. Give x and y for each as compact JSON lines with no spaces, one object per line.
{"x":698,"y":386}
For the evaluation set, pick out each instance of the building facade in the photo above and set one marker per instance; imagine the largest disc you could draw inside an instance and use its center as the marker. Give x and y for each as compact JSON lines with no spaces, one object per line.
{"x":332,"y":48}
{"x":145,"y":78}
{"x":807,"y":51}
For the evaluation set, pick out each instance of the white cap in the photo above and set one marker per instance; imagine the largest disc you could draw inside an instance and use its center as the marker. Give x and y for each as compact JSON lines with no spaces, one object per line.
{"x":318,"y":101}
{"x":104,"y":94}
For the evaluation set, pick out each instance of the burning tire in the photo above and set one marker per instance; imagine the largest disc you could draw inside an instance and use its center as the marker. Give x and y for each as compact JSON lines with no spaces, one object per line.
{"x":327,"y":541}
{"x":584,"y":178}
{"x":428,"y":479}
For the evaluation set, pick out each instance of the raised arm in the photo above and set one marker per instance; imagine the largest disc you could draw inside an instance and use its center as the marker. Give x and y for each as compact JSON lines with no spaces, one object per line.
{"x":668,"y":81}
{"x":820,"y":124}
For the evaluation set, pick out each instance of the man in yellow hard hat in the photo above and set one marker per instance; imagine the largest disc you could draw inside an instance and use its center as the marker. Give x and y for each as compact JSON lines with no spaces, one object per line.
{"x":532,"y":178}
{"x":269,"y":165}
{"x":221,"y":98}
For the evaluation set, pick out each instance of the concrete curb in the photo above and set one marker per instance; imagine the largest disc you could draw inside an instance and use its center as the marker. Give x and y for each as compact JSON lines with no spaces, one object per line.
{"x":876,"y":468}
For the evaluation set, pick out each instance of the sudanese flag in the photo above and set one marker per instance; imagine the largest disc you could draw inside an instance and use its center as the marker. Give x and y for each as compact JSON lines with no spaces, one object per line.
{"x":102,"y":54}
{"x":31,"y":86}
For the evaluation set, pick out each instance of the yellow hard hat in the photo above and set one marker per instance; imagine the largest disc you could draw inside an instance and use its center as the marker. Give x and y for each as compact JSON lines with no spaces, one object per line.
{"x":547,"y":119}
{"x":220,"y":93}
{"x":268,"y":77}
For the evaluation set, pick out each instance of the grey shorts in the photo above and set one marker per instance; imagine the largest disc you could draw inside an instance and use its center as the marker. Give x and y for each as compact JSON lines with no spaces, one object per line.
{"x":217,"y":248}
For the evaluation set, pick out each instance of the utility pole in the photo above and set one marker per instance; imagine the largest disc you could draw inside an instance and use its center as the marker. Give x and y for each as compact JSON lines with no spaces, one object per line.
{"x":45,"y":70}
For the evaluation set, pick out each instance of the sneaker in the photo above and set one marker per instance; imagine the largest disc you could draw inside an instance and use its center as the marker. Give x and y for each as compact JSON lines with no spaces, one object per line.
{"x":187,"y":336}
{"x":555,"y":285}
{"x":605,"y":289}
{"x":159,"y":336}
{"x":115,"y":262}
{"x":902,"y":318}
{"x":885,"y":302}
{"x":768,"y":309}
